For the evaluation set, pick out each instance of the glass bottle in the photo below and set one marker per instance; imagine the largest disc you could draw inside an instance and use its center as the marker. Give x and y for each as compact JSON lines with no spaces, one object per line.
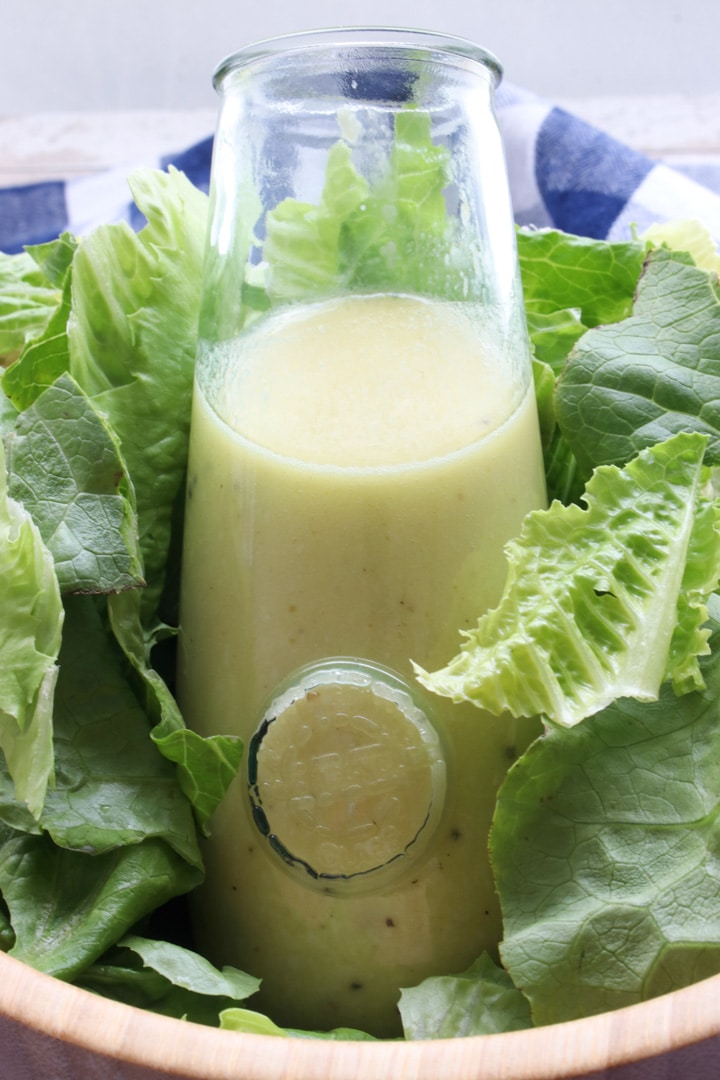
{"x":364,"y":442}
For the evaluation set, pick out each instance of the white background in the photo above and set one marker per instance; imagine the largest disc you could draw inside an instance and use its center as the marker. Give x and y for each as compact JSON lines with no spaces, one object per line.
{"x":127,"y":54}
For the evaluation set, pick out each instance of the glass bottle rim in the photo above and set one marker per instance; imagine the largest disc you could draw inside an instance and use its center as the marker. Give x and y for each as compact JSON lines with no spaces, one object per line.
{"x":368,"y":38}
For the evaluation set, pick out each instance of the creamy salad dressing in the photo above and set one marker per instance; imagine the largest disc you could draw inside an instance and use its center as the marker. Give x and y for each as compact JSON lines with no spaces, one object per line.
{"x":353,"y":481}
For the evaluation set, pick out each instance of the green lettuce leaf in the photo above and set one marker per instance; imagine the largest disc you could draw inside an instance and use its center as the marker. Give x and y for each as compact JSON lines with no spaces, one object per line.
{"x":635,"y":383}
{"x":188,"y":970}
{"x":113,"y":787}
{"x":480,"y":1001}
{"x":31,"y":620}
{"x":570,"y":283}
{"x":116,"y":838}
{"x":341,"y":1034}
{"x":250,"y":1022}
{"x":67,"y":908}
{"x":132,"y":339}
{"x":205,"y":766}
{"x":45,"y":353}
{"x":553,"y":333}
{"x":302,"y":242}
{"x":400,"y":237}
{"x":686,"y":234}
{"x":65,"y":467}
{"x":8,"y":412}
{"x":603,"y":602}
{"x":125,"y":331}
{"x":27,"y":301}
{"x":594,"y":278}
{"x":7,"y":934}
{"x":45,"y":357}
{"x":605,"y":851}
{"x":564,"y":479}
{"x":391,"y":234}
{"x":125,"y":327}
{"x":169,"y":979}
{"x":255,"y":1023}
{"x":54,"y":257}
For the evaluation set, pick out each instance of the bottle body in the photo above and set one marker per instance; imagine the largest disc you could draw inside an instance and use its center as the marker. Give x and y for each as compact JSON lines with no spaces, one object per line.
{"x":358,"y":462}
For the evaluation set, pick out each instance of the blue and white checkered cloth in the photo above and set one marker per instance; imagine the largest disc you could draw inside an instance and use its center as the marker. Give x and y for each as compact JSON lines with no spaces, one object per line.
{"x":563,"y":173}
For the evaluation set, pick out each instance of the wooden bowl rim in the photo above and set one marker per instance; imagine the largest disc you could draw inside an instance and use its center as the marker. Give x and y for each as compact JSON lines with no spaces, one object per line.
{"x":47,"y":1006}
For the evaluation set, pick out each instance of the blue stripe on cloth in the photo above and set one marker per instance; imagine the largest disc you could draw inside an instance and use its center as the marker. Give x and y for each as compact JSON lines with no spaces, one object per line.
{"x":584,"y":176}
{"x":31,"y":214}
{"x":194,"y":162}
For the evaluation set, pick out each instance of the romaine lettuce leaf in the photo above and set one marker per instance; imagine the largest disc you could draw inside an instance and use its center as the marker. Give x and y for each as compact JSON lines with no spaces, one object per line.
{"x":686,"y":234}
{"x":605,"y":851}
{"x":125,"y":331}
{"x":570,"y":283}
{"x":45,"y":357}
{"x":595,"y":278}
{"x":205,"y":766}
{"x":255,"y":1023}
{"x":7,"y":934}
{"x":116,"y":837}
{"x":602,"y":602}
{"x":113,"y":787}
{"x":65,"y":467}
{"x":481,"y":1001}
{"x":125,"y":327}
{"x":54,"y":257}
{"x":68,"y":908}
{"x":132,"y":339}
{"x":169,"y":979}
{"x":8,"y":412}
{"x":400,"y":237}
{"x":634,"y":383}
{"x":302,"y":241}
{"x":27,"y":300}
{"x":544,"y":381}
{"x":188,"y":970}
{"x":553,"y":333}
{"x":250,"y":1022}
{"x":393,"y":234}
{"x":45,"y":352}
{"x":31,"y":620}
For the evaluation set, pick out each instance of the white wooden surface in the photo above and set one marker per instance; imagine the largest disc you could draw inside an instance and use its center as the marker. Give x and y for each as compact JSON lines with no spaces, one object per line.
{"x":663,"y":126}
{"x":55,"y":145}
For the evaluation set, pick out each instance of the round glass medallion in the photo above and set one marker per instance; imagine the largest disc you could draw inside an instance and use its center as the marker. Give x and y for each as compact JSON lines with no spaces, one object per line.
{"x":346,"y":773}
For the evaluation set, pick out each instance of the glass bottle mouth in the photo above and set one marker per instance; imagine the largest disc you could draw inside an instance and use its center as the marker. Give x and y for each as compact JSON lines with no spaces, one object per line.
{"x":394,"y":41}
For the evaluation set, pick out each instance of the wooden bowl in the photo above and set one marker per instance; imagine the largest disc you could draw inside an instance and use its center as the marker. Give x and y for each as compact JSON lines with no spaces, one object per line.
{"x":54,"y":1031}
